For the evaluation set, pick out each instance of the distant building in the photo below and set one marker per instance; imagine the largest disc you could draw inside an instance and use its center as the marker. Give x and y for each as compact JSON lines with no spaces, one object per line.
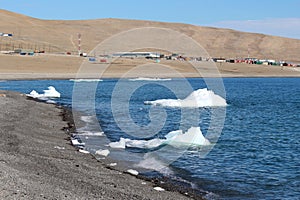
{"x":149,"y":55}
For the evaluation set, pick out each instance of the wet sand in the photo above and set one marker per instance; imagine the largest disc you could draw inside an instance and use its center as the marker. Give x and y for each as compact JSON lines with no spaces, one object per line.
{"x":50,"y":66}
{"x":37,"y":160}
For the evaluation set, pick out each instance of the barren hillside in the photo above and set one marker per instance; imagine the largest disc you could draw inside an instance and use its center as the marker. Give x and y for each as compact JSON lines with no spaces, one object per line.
{"x":61,"y":36}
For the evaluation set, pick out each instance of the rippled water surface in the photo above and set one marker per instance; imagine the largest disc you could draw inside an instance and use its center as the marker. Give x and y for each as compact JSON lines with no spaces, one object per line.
{"x":257,"y":155}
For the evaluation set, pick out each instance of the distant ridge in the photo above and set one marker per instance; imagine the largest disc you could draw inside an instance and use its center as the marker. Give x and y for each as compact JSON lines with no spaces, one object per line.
{"x":61,"y":36}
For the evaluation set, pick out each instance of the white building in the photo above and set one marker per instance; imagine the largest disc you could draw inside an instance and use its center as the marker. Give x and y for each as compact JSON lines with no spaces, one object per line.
{"x":150,"y":55}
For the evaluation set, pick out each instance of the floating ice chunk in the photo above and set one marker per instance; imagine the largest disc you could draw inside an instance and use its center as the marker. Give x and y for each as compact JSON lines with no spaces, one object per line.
{"x":51,"y":102}
{"x":118,"y":145}
{"x":83,"y":151}
{"x":88,"y":133}
{"x":177,"y":138}
{"x":145,"y":144}
{"x":102,"y":152}
{"x":197,"y":99}
{"x":33,"y":94}
{"x":50,"y":93}
{"x":192,"y":137}
{"x":87,"y":119}
{"x":123,"y":143}
{"x":76,"y":142}
{"x":159,"y":189}
{"x":85,"y":80}
{"x":133,"y":172}
{"x":150,"y":79}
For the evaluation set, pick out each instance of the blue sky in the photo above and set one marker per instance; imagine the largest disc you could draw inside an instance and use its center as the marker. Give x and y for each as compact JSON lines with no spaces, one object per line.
{"x":265,"y":16}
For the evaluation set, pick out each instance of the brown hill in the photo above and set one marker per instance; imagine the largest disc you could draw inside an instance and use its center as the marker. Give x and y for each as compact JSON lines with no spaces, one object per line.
{"x":61,"y":36}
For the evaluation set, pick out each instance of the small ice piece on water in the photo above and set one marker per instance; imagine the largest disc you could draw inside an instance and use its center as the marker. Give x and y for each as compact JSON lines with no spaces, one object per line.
{"x":150,"y":79}
{"x":88,"y":133}
{"x":76,"y":142}
{"x":83,"y":151}
{"x":159,"y":189}
{"x":85,"y":80}
{"x":156,"y":142}
{"x":102,"y":152}
{"x":133,"y":172}
{"x":87,"y":119}
{"x":118,"y":145}
{"x":123,"y":143}
{"x":51,"y":102}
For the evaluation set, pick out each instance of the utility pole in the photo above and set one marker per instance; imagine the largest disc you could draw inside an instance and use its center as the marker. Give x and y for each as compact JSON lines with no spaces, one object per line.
{"x":79,"y":43}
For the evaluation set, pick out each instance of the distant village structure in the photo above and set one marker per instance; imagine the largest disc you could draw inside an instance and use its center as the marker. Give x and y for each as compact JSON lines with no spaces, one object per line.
{"x":9,"y":46}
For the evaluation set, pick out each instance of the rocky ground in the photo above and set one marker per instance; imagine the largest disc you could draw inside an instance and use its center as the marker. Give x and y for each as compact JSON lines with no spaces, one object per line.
{"x":38,"y":162}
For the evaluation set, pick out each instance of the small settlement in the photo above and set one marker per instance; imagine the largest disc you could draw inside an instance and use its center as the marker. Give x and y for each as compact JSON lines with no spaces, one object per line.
{"x":9,"y":46}
{"x":180,"y":57}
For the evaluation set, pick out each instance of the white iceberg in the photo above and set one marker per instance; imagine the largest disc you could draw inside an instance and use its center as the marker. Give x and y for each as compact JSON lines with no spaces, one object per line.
{"x":50,"y":93}
{"x":177,"y":138}
{"x":197,"y":99}
{"x":193,"y":136}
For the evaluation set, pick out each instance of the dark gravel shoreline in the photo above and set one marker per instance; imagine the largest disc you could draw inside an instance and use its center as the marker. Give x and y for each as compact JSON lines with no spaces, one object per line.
{"x":165,"y":182}
{"x":37,"y":160}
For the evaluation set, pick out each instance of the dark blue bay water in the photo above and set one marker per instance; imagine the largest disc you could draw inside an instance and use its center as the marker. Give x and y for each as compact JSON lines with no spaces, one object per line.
{"x":256,"y":157}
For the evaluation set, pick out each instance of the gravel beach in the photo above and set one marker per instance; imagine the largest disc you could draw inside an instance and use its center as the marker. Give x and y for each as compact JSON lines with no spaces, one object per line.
{"x":37,"y":160}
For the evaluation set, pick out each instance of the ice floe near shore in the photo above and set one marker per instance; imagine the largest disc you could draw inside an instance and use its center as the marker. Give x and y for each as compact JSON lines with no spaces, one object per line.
{"x":50,"y":93}
{"x":102,"y":152}
{"x":197,"y":99}
{"x":192,"y":137}
{"x":86,"y":80}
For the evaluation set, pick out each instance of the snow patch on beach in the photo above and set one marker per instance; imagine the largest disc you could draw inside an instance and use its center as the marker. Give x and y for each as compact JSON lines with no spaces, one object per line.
{"x":113,"y":164}
{"x":83,"y":151}
{"x":133,"y":172}
{"x":159,"y":189}
{"x":197,"y":99}
{"x":177,"y":138}
{"x":50,"y":93}
{"x":150,"y":79}
{"x":86,"y":80}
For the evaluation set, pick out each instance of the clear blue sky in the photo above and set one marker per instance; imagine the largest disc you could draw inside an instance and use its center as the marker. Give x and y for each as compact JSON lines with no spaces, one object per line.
{"x":265,"y":16}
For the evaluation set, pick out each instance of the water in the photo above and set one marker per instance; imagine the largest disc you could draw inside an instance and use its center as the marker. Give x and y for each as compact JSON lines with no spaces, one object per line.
{"x":257,"y":155}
